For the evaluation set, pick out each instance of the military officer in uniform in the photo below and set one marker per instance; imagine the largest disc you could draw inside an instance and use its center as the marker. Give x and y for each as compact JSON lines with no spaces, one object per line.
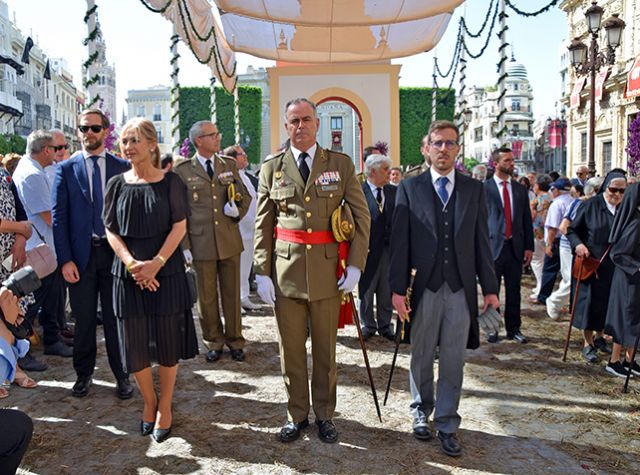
{"x":213,"y":239}
{"x":420,"y":169}
{"x":296,"y":258}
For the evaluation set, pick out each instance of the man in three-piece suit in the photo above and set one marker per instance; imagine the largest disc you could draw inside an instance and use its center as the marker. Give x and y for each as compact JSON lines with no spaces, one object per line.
{"x":213,"y":240}
{"x":511,"y":236}
{"x":381,"y":198}
{"x":296,"y":258}
{"x":83,"y":250}
{"x":440,"y":229}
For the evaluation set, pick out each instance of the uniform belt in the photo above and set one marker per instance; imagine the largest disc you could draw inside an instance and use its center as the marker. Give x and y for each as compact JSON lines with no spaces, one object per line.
{"x":304,"y":237}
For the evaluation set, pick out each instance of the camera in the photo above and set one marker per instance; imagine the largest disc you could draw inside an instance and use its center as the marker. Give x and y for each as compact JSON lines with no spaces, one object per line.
{"x":20,"y":283}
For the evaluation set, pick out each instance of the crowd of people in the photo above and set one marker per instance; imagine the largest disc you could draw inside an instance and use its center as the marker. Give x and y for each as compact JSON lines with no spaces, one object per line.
{"x":129,"y":231}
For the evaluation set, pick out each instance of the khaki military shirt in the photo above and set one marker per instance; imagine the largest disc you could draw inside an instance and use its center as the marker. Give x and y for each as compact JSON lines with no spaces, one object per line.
{"x":417,"y":170}
{"x":211,"y":234}
{"x":307,"y":271}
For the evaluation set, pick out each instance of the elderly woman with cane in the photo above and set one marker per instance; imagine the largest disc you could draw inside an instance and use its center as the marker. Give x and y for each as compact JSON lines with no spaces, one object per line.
{"x":588,"y":234}
{"x":623,"y":314}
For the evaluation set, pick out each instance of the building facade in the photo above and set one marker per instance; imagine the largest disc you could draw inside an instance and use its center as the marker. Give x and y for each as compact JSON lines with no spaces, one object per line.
{"x":153,"y":104}
{"x":480,"y":136}
{"x":613,"y":111}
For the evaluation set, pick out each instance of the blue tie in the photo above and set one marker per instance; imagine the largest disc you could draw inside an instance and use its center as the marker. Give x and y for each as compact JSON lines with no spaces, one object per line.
{"x":96,"y":196}
{"x":442,"y":189}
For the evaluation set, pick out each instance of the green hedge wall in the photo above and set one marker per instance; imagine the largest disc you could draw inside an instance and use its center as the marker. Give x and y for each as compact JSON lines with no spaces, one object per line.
{"x":415,"y":118}
{"x":12,"y":144}
{"x":195,"y":105}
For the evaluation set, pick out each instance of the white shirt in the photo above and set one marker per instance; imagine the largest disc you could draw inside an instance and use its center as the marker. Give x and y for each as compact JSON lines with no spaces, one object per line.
{"x":499,"y":182}
{"x":102,"y":163}
{"x":247,"y":224}
{"x":450,"y":185}
{"x":203,"y":161}
{"x":310,"y":154}
{"x":374,"y":191}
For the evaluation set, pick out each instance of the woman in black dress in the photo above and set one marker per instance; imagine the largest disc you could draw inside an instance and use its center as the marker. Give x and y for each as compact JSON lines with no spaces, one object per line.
{"x":588,"y":234}
{"x":145,"y":213}
{"x":623,"y":314}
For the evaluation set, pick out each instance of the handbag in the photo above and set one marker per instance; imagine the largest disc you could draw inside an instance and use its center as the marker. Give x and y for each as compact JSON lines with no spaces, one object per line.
{"x":42,"y":258}
{"x":190,"y":272}
{"x":585,"y":267}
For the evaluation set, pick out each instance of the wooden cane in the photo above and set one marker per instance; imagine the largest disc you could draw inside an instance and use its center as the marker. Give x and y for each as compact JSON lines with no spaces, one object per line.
{"x":573,"y":312}
{"x":633,"y":357}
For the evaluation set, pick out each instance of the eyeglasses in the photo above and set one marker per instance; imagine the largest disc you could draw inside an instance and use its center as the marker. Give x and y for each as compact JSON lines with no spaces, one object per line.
{"x":448,"y":144}
{"x":57,"y":148}
{"x":616,"y":190}
{"x":96,"y":129}
{"x":215,"y":135}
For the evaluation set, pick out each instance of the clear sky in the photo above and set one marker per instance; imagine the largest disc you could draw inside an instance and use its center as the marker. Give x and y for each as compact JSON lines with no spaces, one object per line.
{"x":138,"y":44}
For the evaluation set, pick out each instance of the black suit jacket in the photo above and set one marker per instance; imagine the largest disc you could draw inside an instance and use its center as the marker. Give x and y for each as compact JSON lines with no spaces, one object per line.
{"x":253,"y":179}
{"x":380,"y":230}
{"x":414,"y":241}
{"x":521,"y":226}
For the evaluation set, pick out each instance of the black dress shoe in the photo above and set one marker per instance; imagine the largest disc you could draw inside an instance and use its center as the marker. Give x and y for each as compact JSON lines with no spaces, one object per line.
{"x":388,"y":334}
{"x":213,"y":355}
{"x":29,"y":363}
{"x":146,"y":428}
{"x":237,"y":355}
{"x":124,"y":390}
{"x":449,"y":444}
{"x":291,"y":430}
{"x":366,"y":334}
{"x":492,"y":337}
{"x":517,"y":336}
{"x":160,"y":435}
{"x":81,"y":388}
{"x":327,"y":431}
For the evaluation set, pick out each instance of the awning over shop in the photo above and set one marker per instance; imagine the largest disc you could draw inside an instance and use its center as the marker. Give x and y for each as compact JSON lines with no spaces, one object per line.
{"x":13,"y":63}
{"x":306,"y":31}
{"x":633,"y":80}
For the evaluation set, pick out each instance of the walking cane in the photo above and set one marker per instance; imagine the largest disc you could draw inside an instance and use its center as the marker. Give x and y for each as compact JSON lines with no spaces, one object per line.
{"x":573,"y":311}
{"x":399,"y":335}
{"x":356,"y":321}
{"x":633,"y":357}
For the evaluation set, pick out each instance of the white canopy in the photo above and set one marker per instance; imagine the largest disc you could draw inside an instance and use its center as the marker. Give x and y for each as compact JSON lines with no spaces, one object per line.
{"x":306,"y":31}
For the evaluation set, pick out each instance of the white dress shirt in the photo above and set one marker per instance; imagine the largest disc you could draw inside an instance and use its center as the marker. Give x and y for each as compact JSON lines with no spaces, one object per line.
{"x":102,"y":163}
{"x":310,"y":154}
{"x":499,"y":182}
{"x":450,"y":185}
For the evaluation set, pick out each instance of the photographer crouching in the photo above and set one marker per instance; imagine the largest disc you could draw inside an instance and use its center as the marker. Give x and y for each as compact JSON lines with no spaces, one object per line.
{"x":17,"y":427}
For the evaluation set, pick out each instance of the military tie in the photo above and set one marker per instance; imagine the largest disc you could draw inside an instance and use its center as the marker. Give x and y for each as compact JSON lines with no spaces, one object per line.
{"x":303,"y":167}
{"x":96,"y":197}
{"x":379,"y":198}
{"x":209,"y":169}
{"x":442,"y":189}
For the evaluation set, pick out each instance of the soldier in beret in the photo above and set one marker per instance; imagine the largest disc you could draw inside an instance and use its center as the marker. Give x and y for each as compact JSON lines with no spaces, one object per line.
{"x":213,"y":240}
{"x":296,"y":257}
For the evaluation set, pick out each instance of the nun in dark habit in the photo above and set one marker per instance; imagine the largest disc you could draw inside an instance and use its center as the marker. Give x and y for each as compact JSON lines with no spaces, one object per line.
{"x":623,"y":314}
{"x":588,"y":234}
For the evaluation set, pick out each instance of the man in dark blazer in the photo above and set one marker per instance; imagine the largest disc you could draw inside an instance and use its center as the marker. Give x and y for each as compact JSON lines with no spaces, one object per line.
{"x":381,"y":198}
{"x":440,"y":229}
{"x":511,"y":236}
{"x":83,"y":250}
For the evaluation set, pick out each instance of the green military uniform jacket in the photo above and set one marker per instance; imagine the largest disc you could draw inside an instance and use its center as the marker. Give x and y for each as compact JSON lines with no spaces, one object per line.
{"x":307,"y":271}
{"x":417,"y":170}
{"x":211,"y":234}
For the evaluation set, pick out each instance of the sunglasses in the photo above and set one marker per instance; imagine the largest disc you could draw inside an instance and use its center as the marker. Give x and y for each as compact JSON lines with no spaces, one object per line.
{"x":616,"y":190}
{"x":57,"y":148}
{"x":448,"y":144}
{"x":96,"y":129}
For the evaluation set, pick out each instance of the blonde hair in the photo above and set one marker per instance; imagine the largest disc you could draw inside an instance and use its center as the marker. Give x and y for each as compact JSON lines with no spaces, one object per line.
{"x":10,"y":162}
{"x":144,"y":127}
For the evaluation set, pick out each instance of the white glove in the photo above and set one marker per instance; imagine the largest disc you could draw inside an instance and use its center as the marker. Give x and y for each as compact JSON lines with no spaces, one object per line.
{"x":266,"y":290}
{"x":349,"y":280}
{"x":231,"y":210}
{"x":188,"y":258}
{"x":490,"y":320}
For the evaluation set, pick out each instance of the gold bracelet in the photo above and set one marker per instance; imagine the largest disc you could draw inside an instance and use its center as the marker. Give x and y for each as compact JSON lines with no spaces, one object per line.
{"x":130,"y":265}
{"x":162,"y":260}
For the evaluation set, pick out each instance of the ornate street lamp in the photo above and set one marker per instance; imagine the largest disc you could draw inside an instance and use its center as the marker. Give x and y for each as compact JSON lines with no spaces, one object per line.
{"x":589,"y":60}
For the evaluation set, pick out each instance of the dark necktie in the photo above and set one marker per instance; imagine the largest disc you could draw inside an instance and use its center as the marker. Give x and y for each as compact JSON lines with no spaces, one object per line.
{"x":209,"y":169}
{"x":442,"y":189}
{"x":96,"y":197}
{"x":507,"y":210}
{"x":303,"y":167}
{"x":379,"y":198}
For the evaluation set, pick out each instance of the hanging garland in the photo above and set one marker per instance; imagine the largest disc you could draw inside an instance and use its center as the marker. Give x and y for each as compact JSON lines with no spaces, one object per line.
{"x":486,"y":43}
{"x":484,"y":23}
{"x":542,"y":10}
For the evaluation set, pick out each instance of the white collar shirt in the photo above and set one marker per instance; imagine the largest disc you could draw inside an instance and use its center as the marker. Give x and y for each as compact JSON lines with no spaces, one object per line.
{"x":102,"y":164}
{"x":450,"y":185}
{"x":374,"y":191}
{"x":311,"y":152}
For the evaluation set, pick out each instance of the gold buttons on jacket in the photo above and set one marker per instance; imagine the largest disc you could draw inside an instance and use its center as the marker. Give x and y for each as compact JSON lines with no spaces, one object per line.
{"x":308,"y":246}
{"x":330,"y":195}
{"x":308,"y":214}
{"x":309,"y":230}
{"x":215,"y":210}
{"x":216,"y":223}
{"x":307,"y":199}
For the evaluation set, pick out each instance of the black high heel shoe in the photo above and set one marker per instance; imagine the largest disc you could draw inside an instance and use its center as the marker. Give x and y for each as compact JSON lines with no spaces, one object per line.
{"x":160,"y":435}
{"x":146,"y":428}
